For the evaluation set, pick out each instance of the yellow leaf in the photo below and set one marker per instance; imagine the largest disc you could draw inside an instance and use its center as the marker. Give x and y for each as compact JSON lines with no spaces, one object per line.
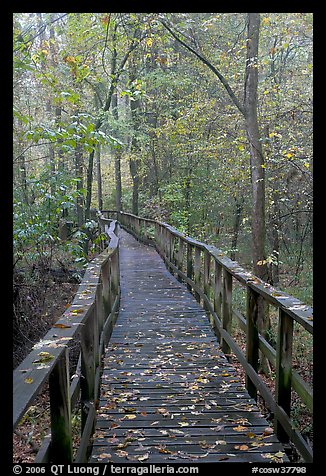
{"x":129,"y":417}
{"x":77,"y":311}
{"x":240,"y":428}
{"x":149,"y":42}
{"x":266,"y":21}
{"x":279,"y":454}
{"x":28,"y":380}
{"x":306,"y":165}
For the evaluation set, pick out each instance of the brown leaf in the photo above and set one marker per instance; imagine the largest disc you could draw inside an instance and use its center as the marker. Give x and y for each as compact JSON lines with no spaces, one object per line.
{"x":240,"y":428}
{"x":241,"y":447}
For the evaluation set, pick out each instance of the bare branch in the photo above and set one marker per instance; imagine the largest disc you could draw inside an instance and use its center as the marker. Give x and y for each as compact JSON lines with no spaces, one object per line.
{"x":211,"y":67}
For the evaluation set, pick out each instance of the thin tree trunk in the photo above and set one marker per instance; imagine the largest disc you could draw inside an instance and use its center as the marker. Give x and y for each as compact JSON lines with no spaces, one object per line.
{"x":79,"y":185}
{"x":134,"y":160}
{"x":99,"y":178}
{"x":117,"y":154}
{"x":236,"y":227}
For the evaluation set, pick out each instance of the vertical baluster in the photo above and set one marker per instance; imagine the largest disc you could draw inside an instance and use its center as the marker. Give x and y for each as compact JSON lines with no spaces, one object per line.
{"x":207,"y":270}
{"x":87,"y":381}
{"x":226,"y":309}
{"x":60,"y":406}
{"x":189,"y":264}
{"x":284,"y":368}
{"x":218,"y":294}
{"x":145,"y":231}
{"x":252,"y":337}
{"x":180,"y":257}
{"x":197,"y":263}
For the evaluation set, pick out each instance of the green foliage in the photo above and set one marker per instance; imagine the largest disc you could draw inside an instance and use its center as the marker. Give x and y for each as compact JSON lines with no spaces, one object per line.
{"x":36,"y":221}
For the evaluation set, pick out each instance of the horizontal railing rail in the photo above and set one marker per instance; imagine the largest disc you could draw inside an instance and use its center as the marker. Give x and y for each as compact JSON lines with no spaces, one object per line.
{"x":89,"y":321}
{"x":211,"y":276}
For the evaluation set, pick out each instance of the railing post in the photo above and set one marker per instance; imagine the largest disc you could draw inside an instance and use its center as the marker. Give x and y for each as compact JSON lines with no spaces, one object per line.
{"x":180,"y":257}
{"x":189,"y":264}
{"x":106,"y":288}
{"x":197,"y":263}
{"x":226,"y":309}
{"x":207,"y":270}
{"x":252,"y":337}
{"x":87,"y":382}
{"x":115,"y":278}
{"x":61,"y":437}
{"x":218,"y":294}
{"x":283,"y":369}
{"x":145,"y":230}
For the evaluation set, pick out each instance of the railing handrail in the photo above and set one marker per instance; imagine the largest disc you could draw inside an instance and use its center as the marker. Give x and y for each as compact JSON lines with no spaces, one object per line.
{"x":199,"y":281}
{"x":93,"y":306}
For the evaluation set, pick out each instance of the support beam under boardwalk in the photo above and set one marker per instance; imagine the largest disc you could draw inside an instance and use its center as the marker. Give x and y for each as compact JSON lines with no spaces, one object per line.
{"x":168,"y":394}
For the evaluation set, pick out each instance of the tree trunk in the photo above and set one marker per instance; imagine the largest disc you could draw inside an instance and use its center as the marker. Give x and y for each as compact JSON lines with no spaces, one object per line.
{"x":117,"y":154}
{"x":79,"y":185}
{"x":99,"y":178}
{"x":257,"y":166}
{"x":257,"y":169}
{"x":134,"y":160}
{"x":236,"y":227}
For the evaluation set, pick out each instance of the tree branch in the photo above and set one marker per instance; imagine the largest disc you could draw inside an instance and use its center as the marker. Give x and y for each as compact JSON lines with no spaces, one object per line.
{"x":211,"y":67}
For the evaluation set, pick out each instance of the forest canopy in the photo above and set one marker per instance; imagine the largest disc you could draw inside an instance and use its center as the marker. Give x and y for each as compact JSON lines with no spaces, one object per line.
{"x":201,"y":120}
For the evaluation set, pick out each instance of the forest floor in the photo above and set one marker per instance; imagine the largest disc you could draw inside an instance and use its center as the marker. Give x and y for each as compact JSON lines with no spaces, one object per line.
{"x":39,"y":301}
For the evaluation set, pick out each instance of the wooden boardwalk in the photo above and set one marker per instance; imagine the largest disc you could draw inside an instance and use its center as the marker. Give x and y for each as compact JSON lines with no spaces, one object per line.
{"x":168,"y":393}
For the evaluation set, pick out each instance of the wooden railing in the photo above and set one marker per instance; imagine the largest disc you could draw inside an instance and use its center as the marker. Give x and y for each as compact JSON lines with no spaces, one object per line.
{"x":211,"y":276}
{"x":88,"y":321}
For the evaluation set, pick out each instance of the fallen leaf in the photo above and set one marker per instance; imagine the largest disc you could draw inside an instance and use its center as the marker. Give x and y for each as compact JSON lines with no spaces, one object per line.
{"x":28,"y":380}
{"x":105,"y":456}
{"x":61,"y":326}
{"x":122,"y":454}
{"x":143,"y":457}
{"x":77,"y":311}
{"x":163,"y":411}
{"x":279,"y":454}
{"x":129,"y":417}
{"x":44,"y":357}
{"x":242,"y":447}
{"x":268,"y":431}
{"x":240,"y":428}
